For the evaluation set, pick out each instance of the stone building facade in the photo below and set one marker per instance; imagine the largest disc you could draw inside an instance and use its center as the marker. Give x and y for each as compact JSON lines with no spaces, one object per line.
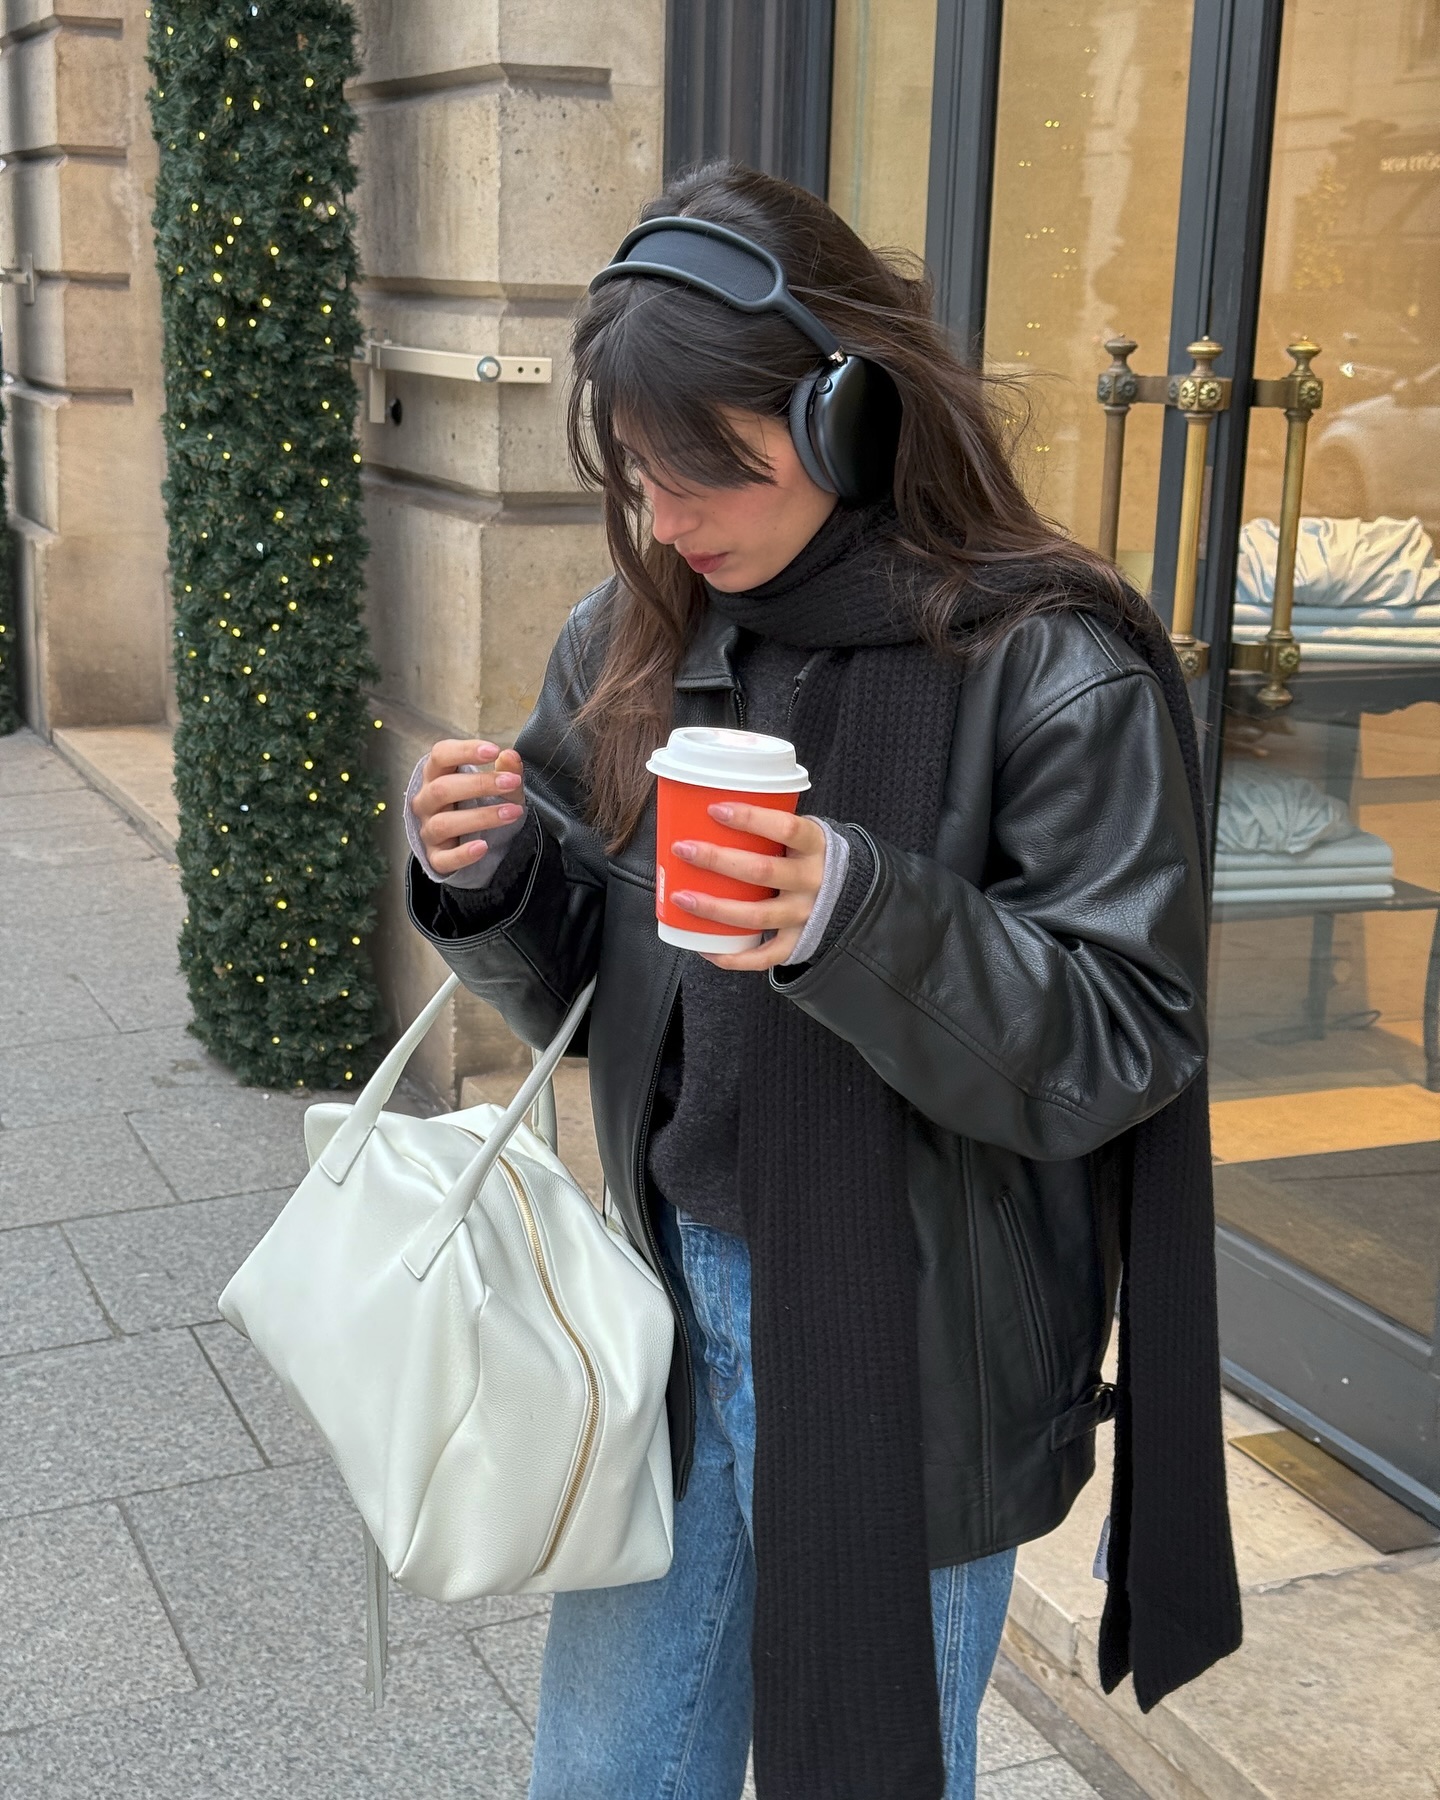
{"x":504,"y":150}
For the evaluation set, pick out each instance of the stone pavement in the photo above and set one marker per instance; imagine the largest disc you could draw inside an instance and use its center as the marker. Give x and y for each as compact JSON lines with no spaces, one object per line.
{"x":180,"y":1567}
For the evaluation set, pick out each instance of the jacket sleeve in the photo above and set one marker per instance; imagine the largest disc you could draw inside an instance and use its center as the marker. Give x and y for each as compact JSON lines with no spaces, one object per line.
{"x":1061,"y":1001}
{"x":531,"y":940}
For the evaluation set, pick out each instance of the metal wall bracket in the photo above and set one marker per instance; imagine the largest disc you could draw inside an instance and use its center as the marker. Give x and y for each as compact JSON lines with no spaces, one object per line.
{"x":379,"y":356}
{"x":22,"y":277}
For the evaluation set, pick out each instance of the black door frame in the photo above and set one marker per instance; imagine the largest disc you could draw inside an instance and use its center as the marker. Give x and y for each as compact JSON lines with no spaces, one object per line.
{"x":1312,"y":1356}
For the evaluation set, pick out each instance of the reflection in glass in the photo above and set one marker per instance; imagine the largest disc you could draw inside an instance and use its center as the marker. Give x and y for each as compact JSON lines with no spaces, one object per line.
{"x":1326,"y":956}
{"x":880,"y":119}
{"x":1088,"y":151}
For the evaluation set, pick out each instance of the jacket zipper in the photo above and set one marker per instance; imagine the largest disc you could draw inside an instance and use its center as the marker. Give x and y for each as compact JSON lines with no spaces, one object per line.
{"x":592,"y":1380}
{"x":809,"y":664}
{"x":1029,"y":1292}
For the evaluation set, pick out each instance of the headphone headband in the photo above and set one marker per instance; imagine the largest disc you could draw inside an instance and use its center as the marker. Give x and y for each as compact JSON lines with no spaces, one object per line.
{"x":719,"y":262}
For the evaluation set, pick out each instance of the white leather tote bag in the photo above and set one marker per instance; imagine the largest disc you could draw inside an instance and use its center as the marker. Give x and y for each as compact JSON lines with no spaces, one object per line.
{"x":484,"y":1354}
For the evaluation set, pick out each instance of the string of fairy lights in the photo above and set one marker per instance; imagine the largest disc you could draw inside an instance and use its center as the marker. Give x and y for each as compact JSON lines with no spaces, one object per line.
{"x":277,"y":798}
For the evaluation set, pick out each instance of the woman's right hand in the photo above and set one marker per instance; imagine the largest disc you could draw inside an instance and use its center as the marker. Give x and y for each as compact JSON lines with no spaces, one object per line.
{"x":495,"y":793}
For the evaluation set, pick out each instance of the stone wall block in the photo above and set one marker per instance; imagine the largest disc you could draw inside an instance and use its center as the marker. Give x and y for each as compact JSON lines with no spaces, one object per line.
{"x":33,"y":457}
{"x":574,"y":171}
{"x":103,"y":658}
{"x":428,"y":173}
{"x":64,"y":88}
{"x":410,"y":40}
{"x":73,"y":217}
{"x":533,"y":575}
{"x":80,"y":336}
{"x":423,"y":606}
{"x":627,"y":40}
{"x":26,"y":15}
{"x":504,"y":188}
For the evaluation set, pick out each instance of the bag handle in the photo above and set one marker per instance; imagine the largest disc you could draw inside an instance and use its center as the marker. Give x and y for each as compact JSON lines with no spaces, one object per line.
{"x":346,"y":1144}
{"x":432,"y":1236}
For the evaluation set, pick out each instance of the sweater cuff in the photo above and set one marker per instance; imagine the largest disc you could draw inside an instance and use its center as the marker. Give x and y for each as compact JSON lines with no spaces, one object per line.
{"x":858,"y":872}
{"x":834,"y":880}
{"x":446,"y":911}
{"x":472,"y":876}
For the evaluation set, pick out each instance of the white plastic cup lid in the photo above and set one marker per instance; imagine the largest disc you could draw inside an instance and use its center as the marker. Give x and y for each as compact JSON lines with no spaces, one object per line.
{"x":713,"y":756}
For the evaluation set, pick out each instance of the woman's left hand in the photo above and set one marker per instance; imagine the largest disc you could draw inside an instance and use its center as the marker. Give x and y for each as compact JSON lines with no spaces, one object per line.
{"x":796,"y":871}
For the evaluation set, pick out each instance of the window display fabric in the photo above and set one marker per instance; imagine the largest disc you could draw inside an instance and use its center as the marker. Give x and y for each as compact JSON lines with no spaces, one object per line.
{"x":1302,"y":896}
{"x":1350,"y":618}
{"x":1266,"y":809}
{"x":1342,"y":563}
{"x":1355,"y":850}
{"x":1335,"y":646}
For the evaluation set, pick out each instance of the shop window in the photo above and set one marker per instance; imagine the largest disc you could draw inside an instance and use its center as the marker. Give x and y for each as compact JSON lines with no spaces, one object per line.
{"x":1089,"y":143}
{"x":880,"y":119}
{"x":1325,"y":1069}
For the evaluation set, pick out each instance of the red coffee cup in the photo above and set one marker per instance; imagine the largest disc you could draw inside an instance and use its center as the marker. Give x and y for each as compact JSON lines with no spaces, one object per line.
{"x":699,"y":767}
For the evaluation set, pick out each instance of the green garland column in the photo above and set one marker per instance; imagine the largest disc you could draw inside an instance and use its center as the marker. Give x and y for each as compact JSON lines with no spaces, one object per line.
{"x":257,"y":262}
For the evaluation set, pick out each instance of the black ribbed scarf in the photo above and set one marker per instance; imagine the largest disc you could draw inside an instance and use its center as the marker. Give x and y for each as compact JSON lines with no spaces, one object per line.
{"x":846,"y":1703}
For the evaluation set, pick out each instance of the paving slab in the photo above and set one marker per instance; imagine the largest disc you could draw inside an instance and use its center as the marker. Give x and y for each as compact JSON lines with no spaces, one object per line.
{"x":445,"y":1733}
{"x":1006,"y":1739}
{"x":226,"y":1139}
{"x":84,"y":1627}
{"x":74,"y":1168}
{"x":40,"y":1006}
{"x":60,"y":811}
{"x":266,"y":1570}
{"x":1279,"y":1536}
{"x":103,"y":1420}
{"x":282,"y":1432}
{"x":1349,"y":1669}
{"x":168,"y":1265}
{"x":28,"y":766}
{"x":1052,"y":1779}
{"x":129,"y":1071}
{"x":513,"y":1653}
{"x":133,"y":765}
{"x":57,"y":883}
{"x":44,"y":1299}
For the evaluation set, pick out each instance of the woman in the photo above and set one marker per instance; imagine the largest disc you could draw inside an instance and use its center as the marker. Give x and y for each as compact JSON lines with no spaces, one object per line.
{"x":889,"y":1163}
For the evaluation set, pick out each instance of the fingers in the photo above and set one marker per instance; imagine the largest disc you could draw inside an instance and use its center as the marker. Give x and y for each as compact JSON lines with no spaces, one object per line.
{"x":768,"y":955}
{"x":749,"y":915}
{"x":461,"y":821}
{"x":446,"y":862}
{"x":447,"y":756}
{"x":794,"y":873}
{"x":450,"y":779}
{"x":796,"y":831}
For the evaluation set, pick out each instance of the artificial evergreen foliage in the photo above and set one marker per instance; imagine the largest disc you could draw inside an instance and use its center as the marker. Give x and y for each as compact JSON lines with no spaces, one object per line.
{"x":9,"y":703}
{"x":257,"y":263}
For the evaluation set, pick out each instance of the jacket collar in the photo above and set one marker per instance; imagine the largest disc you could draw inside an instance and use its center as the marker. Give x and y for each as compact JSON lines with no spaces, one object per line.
{"x":709,"y":660}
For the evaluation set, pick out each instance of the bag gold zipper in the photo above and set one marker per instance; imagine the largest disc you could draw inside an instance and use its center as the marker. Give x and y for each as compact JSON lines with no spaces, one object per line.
{"x":592,"y":1380}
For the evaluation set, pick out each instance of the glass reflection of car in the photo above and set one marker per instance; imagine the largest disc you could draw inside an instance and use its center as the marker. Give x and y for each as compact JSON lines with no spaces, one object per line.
{"x":1380,"y":455}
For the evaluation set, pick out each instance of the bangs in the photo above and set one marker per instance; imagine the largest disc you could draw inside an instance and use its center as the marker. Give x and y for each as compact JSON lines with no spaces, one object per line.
{"x":659,"y":374}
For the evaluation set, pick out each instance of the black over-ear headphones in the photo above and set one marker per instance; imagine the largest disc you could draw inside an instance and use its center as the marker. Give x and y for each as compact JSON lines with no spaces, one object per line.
{"x":845,"y":416}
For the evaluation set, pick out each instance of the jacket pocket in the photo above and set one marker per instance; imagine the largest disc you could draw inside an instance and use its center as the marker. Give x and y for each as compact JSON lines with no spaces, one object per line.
{"x":1027,"y":1286}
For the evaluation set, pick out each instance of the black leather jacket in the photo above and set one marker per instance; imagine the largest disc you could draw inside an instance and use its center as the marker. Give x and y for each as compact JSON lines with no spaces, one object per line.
{"x":1033,"y":988}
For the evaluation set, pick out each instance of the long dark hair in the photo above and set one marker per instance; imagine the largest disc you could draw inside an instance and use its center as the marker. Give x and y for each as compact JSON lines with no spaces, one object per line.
{"x":656,"y":362}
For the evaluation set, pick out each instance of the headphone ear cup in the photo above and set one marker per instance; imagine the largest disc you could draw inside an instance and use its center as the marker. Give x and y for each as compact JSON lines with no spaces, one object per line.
{"x":801,"y":398}
{"x":854,"y":428}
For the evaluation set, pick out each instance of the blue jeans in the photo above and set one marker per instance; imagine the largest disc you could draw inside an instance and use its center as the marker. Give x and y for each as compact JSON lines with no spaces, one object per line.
{"x":645,"y":1691}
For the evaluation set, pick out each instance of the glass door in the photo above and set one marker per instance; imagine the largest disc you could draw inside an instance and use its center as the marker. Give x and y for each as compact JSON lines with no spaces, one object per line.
{"x":1325,"y":1064}
{"x":1241,"y":202}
